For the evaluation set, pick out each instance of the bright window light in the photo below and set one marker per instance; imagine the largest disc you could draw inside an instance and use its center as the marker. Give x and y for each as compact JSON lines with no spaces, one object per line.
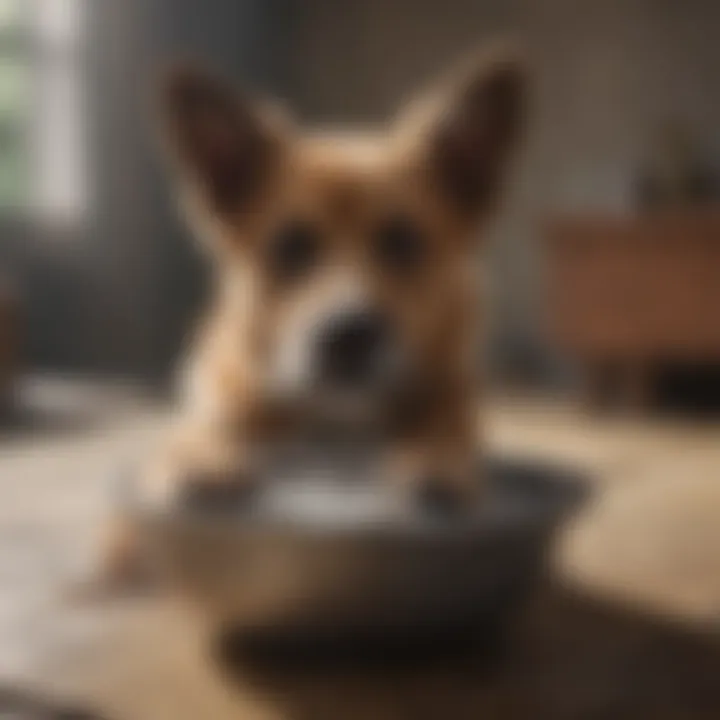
{"x":60,"y":158}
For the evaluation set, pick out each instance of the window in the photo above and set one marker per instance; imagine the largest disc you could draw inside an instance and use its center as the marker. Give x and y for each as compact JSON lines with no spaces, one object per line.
{"x":41,"y":131}
{"x":15,"y":104}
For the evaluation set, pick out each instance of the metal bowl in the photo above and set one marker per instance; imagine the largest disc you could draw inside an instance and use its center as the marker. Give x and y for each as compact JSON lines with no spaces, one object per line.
{"x":315,"y":560}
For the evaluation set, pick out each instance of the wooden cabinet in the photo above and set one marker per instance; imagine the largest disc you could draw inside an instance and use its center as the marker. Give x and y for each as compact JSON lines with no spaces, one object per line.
{"x":631,"y":293}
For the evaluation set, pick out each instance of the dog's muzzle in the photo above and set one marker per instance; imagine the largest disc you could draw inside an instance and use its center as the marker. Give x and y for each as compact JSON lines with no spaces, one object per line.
{"x":355,"y":350}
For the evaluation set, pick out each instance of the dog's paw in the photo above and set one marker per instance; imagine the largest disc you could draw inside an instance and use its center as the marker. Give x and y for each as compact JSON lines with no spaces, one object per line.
{"x":217,"y":492}
{"x":178,"y":484}
{"x":440,"y":486}
{"x":123,"y":569}
{"x":108,"y":584}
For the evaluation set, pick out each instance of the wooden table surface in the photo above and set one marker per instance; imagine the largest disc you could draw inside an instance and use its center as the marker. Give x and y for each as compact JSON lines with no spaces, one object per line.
{"x":653,"y":535}
{"x":568,"y":657}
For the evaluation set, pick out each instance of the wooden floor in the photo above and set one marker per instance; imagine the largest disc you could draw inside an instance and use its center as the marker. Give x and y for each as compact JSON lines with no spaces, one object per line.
{"x":627,"y":627}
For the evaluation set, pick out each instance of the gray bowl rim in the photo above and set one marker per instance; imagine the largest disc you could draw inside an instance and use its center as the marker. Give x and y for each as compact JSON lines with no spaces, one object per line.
{"x":557,"y":492}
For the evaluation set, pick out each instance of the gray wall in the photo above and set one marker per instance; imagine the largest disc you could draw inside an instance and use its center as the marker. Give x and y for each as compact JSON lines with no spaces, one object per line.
{"x":606,"y":73}
{"x":151,"y":275}
{"x":116,"y":293}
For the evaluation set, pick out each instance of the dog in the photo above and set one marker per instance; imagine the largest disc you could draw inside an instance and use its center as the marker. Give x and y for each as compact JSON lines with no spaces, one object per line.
{"x":346,"y":281}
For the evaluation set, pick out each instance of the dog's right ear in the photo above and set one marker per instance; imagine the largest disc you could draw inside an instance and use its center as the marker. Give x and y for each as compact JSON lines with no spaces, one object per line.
{"x":220,"y":142}
{"x":468,"y":127}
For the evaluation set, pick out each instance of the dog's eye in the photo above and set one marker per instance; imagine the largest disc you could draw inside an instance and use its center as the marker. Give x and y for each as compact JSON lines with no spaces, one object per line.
{"x":400,"y":244}
{"x":294,"y":250}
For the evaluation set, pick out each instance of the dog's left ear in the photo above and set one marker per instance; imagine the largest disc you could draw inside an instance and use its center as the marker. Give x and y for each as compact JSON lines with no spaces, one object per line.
{"x":467,"y":130}
{"x":221,"y":142}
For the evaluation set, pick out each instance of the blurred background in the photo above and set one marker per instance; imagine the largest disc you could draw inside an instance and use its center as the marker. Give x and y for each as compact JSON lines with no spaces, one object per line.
{"x":605,"y":264}
{"x":625,"y":99}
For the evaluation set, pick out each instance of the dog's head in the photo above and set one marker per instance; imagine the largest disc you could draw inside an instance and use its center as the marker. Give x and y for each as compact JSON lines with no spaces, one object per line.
{"x":349,"y":258}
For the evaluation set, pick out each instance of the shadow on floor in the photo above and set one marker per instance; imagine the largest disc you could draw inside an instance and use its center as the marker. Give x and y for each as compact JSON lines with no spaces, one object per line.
{"x":16,"y":704}
{"x":569,"y":658}
{"x":20,"y":421}
{"x":689,"y":390}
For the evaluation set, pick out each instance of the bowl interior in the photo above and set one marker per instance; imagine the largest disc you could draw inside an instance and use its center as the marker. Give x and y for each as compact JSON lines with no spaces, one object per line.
{"x":321,"y":500}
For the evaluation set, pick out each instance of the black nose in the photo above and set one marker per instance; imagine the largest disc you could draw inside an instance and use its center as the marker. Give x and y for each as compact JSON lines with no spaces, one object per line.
{"x":352,"y":347}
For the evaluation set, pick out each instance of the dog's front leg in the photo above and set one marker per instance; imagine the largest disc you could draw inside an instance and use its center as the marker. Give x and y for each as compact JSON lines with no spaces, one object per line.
{"x":433,"y":459}
{"x":197,"y":462}
{"x":201,"y":465}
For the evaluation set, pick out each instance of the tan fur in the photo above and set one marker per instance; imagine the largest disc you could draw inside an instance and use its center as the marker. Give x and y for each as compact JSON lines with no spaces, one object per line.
{"x":345,"y":184}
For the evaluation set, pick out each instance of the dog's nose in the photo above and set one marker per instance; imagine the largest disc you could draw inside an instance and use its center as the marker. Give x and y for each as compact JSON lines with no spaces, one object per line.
{"x":353,"y":345}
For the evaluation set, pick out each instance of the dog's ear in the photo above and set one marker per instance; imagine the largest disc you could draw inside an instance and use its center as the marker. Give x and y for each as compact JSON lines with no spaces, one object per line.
{"x":219,"y":141}
{"x":467,"y":128}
